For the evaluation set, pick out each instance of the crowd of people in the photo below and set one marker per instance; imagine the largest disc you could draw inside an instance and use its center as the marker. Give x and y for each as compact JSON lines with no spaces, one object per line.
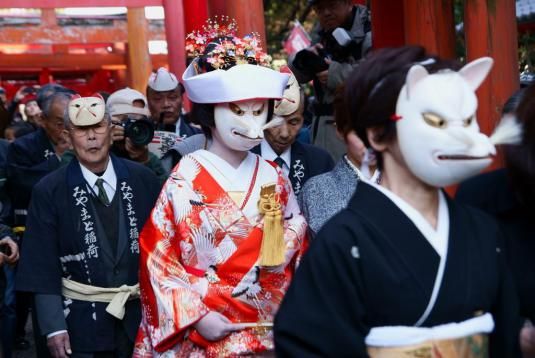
{"x":243,"y":237}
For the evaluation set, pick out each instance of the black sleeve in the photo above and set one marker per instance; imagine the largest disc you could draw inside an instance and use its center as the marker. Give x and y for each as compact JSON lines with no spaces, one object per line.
{"x":39,"y":268}
{"x":49,"y":311}
{"x":504,"y":340}
{"x":322,"y":314}
{"x":23,"y":175}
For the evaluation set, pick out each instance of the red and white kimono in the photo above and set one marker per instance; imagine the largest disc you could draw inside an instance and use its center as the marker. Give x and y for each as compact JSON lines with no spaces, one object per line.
{"x":197,"y":230}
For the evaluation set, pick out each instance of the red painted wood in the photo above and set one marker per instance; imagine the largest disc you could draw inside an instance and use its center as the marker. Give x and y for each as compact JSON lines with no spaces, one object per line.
{"x":48,"y":4}
{"x":197,"y":13}
{"x":249,"y":16}
{"x":388,"y":26}
{"x":73,"y":34}
{"x":176,"y":36}
{"x":490,"y":30}
{"x":217,"y":7}
{"x":430,"y":23}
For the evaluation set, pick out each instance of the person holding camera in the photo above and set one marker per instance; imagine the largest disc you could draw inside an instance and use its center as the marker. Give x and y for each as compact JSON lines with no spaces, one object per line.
{"x":133,"y":130}
{"x":341,"y":39}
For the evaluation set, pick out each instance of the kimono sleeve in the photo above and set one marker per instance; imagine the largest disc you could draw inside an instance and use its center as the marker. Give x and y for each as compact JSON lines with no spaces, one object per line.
{"x":39,"y":269}
{"x":322,"y":313}
{"x":170,"y":302}
{"x":504,"y":341}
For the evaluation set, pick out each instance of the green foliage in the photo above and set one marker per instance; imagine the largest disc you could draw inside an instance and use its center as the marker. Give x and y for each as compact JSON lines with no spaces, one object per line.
{"x":279,"y":16}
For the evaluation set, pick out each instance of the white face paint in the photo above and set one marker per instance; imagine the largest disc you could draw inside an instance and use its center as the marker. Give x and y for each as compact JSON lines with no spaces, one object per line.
{"x":240,"y":125}
{"x":438,"y":133}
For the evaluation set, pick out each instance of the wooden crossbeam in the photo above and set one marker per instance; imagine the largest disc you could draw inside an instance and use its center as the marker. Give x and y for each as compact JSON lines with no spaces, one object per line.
{"x":49,"y":4}
{"x":73,"y":62}
{"x":72,"y":34}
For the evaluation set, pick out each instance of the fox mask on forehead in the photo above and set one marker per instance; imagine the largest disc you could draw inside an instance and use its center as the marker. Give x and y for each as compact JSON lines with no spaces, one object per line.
{"x":86,"y":111}
{"x":438,"y":134}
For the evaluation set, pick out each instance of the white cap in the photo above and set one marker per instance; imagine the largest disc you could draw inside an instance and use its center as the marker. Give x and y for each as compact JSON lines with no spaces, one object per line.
{"x":162,"y":80}
{"x":86,"y":111}
{"x":241,"y":82}
{"x":122,"y":102}
{"x":291,"y":98}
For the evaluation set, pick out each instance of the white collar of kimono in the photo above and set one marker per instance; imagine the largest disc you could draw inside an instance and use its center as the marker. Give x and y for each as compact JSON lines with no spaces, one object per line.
{"x":228,"y":177}
{"x":109,"y":177}
{"x":438,"y":238}
{"x":269,"y":154}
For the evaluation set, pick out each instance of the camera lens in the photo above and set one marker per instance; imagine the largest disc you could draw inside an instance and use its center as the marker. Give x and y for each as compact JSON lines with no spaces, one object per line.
{"x":139,"y":131}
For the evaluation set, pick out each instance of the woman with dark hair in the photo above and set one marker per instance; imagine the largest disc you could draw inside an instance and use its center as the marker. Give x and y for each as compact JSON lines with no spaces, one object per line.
{"x":508,"y":194}
{"x":222,"y":243}
{"x":403,"y":270}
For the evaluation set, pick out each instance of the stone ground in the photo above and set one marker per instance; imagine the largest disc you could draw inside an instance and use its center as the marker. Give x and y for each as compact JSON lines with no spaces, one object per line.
{"x":30,"y":353}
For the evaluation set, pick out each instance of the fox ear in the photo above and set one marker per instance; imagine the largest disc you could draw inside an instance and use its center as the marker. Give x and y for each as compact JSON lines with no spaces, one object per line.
{"x":415,"y":75}
{"x":476,"y":71}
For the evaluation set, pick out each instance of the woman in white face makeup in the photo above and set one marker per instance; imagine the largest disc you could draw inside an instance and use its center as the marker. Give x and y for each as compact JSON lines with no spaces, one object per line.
{"x":222,"y":243}
{"x":403,"y":270}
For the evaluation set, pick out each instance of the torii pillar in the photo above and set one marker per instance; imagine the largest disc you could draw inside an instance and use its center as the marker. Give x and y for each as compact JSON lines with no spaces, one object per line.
{"x":490,"y":30}
{"x":175,"y":34}
{"x":138,"y":50}
{"x":249,"y":15}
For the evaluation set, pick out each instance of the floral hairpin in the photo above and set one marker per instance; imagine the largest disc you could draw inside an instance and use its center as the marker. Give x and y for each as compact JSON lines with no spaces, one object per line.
{"x":228,"y":47}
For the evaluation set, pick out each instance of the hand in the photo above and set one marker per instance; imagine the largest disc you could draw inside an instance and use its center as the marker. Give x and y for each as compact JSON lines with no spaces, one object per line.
{"x":20,"y":94}
{"x":527,"y":341}
{"x":315,"y":48}
{"x":214,"y":326}
{"x":59,"y":345}
{"x":117,"y":133}
{"x":13,"y":251}
{"x":138,"y":153}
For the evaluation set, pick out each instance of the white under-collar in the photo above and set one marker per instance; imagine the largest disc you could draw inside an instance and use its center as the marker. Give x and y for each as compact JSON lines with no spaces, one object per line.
{"x":438,"y":238}
{"x":374,"y":178}
{"x":228,"y":177}
{"x":269,"y":154}
{"x":109,"y":177}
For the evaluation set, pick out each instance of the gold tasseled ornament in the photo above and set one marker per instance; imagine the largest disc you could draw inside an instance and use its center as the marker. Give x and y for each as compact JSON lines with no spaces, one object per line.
{"x":273,"y":248}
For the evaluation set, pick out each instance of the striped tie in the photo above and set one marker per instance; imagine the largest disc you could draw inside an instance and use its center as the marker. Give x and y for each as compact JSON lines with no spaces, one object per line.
{"x":280,"y":162}
{"x":102,"y":196}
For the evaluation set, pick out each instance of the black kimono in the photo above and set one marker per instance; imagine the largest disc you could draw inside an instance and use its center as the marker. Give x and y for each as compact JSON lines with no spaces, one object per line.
{"x":371,"y":267}
{"x":66,"y":239}
{"x":493,"y":193}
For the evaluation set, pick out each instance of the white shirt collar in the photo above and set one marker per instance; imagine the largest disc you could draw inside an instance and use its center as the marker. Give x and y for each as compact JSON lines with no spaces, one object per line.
{"x":438,"y":238}
{"x":269,"y":154}
{"x":109,"y":177}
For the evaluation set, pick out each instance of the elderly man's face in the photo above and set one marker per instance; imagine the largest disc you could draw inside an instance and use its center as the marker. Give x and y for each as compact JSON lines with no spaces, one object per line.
{"x":53,"y":123}
{"x":333,"y":13}
{"x":282,"y":137}
{"x":164,"y":106}
{"x":91,"y":144}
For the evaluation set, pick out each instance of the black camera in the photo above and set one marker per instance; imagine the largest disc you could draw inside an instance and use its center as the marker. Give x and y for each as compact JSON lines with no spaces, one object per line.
{"x":140,"y":131}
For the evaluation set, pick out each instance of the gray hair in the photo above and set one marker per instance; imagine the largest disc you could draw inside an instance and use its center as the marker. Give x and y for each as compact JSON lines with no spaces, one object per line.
{"x":49,"y":101}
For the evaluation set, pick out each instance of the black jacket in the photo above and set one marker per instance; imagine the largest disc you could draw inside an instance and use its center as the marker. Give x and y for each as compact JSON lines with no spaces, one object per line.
{"x":307,"y":161}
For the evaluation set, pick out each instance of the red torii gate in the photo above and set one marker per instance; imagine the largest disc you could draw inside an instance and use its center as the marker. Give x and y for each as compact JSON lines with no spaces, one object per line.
{"x":490,"y":30}
{"x":176,"y":26}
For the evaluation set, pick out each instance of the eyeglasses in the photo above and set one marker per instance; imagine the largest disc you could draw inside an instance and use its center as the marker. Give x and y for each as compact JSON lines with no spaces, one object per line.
{"x":99,"y":128}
